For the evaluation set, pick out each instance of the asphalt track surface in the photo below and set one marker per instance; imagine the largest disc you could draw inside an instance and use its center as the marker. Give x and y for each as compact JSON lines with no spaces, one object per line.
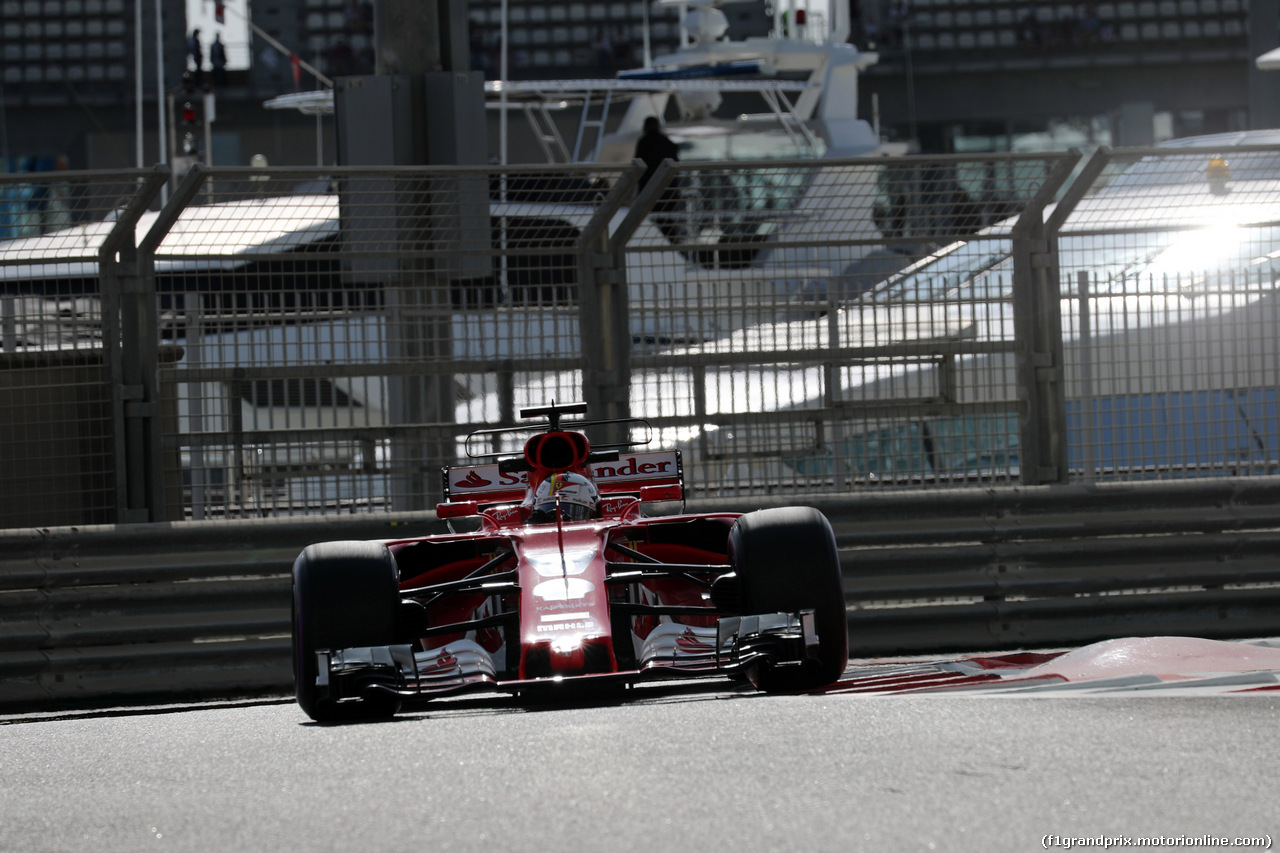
{"x":703,"y":765}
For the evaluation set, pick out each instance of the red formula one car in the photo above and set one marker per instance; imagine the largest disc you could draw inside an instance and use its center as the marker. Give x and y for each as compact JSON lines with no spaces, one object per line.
{"x":566,"y":581}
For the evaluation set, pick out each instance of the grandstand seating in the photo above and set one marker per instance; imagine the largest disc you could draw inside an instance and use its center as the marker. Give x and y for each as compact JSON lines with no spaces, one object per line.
{"x":929,"y":26}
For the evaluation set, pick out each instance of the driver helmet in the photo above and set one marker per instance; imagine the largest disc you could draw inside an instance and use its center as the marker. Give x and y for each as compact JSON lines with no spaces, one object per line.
{"x":579,"y":498}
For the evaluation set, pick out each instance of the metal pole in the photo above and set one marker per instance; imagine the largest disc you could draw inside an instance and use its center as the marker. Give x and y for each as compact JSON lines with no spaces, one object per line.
{"x":841,"y":24}
{"x":9,"y":321}
{"x":302,"y":63}
{"x":4,"y":133}
{"x":502,"y":95}
{"x":209,"y":118}
{"x":160,"y":95}
{"x":1087,"y":409}
{"x":911,"y":81}
{"x":648,"y":48}
{"x":195,"y":404}
{"x":1037,"y":326}
{"x":137,"y":81}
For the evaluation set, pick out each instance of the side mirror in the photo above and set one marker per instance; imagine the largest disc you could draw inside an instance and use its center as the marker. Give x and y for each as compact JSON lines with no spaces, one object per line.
{"x":661,"y":493}
{"x":457,"y":509}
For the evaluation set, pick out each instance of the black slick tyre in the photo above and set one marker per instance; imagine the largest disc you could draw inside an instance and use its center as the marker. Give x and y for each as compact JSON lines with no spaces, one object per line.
{"x":345,"y":595}
{"x":786,"y":560}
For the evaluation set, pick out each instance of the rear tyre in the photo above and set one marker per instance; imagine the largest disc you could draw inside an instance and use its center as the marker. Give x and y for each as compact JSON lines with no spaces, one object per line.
{"x":345,"y":595}
{"x":786,"y":560}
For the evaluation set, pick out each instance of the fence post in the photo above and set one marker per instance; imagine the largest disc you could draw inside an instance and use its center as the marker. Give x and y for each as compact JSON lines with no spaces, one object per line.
{"x":1084,"y":179}
{"x":604,"y":315}
{"x":1037,"y":324}
{"x":130,"y":351}
{"x":147,"y":332}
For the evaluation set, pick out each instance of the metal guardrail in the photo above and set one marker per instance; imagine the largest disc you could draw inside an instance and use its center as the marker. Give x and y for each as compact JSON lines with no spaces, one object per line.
{"x":183,"y":610}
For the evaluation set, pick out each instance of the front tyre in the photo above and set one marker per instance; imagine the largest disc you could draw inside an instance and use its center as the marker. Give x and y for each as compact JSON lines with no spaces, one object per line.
{"x":345,"y":595}
{"x":786,"y":560}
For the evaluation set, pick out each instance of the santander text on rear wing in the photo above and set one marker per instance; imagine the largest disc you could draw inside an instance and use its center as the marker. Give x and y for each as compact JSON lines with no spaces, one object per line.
{"x":627,"y":475}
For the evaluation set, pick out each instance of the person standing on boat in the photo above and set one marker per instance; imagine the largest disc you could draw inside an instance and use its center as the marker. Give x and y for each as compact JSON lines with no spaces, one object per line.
{"x":653,"y":147}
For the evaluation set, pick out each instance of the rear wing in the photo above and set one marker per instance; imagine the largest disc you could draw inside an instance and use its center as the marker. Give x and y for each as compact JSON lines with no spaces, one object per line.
{"x":487,"y":485}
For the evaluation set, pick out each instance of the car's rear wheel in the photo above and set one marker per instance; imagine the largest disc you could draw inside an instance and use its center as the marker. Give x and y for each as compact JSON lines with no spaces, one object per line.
{"x":786,"y":560}
{"x":345,"y":595}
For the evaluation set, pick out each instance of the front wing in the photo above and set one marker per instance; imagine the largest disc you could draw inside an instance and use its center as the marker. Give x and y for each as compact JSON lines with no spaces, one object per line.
{"x":733,"y":645}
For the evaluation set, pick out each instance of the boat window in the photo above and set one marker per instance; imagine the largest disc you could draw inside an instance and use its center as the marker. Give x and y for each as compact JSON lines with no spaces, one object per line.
{"x":728,"y":214}
{"x":773,"y":144}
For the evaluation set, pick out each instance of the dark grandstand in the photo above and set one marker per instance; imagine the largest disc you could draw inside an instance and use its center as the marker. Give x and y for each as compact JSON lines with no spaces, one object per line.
{"x":957,"y":75}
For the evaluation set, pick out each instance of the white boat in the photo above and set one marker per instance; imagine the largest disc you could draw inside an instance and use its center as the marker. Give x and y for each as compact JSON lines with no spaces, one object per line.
{"x":793,"y":94}
{"x":804,"y":79}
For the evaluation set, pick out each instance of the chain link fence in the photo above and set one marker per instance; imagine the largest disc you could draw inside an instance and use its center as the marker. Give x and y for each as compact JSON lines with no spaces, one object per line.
{"x":801,"y":353}
{"x":304,"y":341}
{"x":1169,"y":314}
{"x":62,"y":455}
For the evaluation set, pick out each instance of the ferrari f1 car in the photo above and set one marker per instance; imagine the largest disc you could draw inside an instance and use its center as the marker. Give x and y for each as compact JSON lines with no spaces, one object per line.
{"x":563,"y":579}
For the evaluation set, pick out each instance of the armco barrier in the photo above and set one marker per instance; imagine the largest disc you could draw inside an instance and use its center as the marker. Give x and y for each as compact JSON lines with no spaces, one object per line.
{"x":181,"y":611}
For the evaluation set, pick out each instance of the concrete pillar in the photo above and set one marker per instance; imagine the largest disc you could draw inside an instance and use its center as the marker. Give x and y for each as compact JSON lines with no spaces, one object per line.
{"x":1264,"y":86}
{"x":424,"y":106}
{"x":1135,"y":125}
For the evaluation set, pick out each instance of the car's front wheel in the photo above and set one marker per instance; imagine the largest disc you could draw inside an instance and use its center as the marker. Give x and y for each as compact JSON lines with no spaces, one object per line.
{"x":786,"y":560}
{"x":345,"y":595}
